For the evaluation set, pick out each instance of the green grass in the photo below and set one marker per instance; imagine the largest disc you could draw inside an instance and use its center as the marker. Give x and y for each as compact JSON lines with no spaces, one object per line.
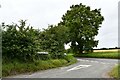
{"x":112,"y":55}
{"x":15,"y":67}
{"x":115,"y":72}
{"x":70,"y":59}
{"x":0,"y":69}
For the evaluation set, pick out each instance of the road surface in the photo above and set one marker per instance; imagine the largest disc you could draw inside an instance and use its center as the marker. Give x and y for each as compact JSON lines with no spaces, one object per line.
{"x":84,"y":68}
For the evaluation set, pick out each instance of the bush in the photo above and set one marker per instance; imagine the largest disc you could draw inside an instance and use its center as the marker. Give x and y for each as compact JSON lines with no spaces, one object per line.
{"x":70,"y":59}
{"x":52,"y":40}
{"x":19,"y":42}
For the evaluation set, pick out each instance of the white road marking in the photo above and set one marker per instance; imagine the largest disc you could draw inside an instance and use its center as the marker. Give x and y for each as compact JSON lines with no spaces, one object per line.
{"x":63,"y":67}
{"x":93,"y":61}
{"x":96,"y":61}
{"x":103,"y":63}
{"x":78,"y":67}
{"x":82,"y":60}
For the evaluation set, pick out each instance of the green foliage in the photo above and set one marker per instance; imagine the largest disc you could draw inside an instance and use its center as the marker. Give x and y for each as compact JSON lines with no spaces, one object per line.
{"x":43,"y":57}
{"x":68,"y":51}
{"x":19,"y":42}
{"x":69,"y":58}
{"x":52,"y":40}
{"x":19,"y":67}
{"x":111,"y":55}
{"x":83,"y":25}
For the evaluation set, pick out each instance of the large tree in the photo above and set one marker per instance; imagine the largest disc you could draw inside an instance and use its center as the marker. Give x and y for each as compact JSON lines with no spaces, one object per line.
{"x":83,"y":25}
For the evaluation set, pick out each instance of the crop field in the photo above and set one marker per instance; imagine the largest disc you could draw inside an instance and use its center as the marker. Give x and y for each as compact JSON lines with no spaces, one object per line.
{"x":110,"y":50}
{"x":113,"y":54}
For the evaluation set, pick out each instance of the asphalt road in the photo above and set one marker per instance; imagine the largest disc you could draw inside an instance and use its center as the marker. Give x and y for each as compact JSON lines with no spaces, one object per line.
{"x":85,"y":68}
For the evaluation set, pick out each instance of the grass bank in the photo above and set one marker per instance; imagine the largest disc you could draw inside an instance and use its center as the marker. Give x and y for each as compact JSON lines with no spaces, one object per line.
{"x":115,"y":72}
{"x":111,"y":55}
{"x":15,"y":67}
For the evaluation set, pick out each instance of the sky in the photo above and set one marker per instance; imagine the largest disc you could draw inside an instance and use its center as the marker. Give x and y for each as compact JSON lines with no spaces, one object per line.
{"x":41,"y":13}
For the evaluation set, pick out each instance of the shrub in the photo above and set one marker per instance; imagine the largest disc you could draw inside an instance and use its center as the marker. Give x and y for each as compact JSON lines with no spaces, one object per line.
{"x":19,"y":42}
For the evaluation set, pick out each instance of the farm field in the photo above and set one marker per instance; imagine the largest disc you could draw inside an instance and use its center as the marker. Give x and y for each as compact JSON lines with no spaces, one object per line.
{"x":111,"y":50}
{"x":112,"y":54}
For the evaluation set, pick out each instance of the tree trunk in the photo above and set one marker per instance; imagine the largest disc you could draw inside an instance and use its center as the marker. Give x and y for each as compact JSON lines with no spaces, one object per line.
{"x":80,"y":48}
{"x":81,"y":51}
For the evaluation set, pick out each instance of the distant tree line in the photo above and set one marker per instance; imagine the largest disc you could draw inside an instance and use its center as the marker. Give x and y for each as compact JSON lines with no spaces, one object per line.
{"x":107,"y":48}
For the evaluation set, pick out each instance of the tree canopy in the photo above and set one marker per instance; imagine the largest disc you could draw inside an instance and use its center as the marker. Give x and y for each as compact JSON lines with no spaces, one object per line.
{"x":83,"y":25}
{"x":52,"y":40}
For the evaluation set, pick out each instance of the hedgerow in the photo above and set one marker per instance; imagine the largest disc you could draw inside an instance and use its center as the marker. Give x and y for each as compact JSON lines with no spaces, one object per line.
{"x":21,"y":42}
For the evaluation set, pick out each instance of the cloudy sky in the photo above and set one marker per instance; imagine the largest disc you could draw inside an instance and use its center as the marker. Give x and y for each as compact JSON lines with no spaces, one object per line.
{"x":41,"y":13}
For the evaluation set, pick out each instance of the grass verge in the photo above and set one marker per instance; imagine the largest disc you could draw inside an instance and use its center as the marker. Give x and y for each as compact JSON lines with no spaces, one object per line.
{"x":112,"y":55}
{"x":115,"y":73}
{"x":18,"y":67}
